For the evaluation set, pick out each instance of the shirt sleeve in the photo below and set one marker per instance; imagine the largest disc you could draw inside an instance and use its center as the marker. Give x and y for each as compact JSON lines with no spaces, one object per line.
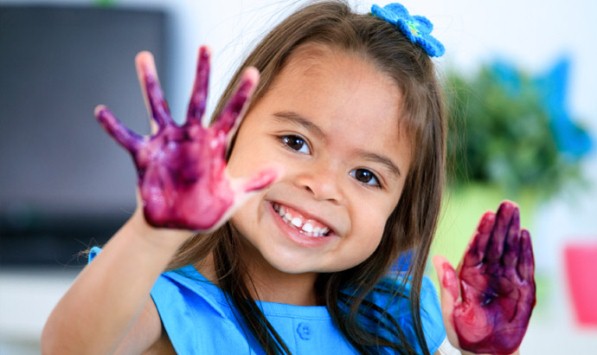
{"x":431,"y":316}
{"x":392,"y":295}
{"x":400,"y":309}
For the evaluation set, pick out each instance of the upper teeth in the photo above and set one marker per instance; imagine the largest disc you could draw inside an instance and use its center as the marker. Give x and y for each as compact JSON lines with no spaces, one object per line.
{"x":306,"y":226}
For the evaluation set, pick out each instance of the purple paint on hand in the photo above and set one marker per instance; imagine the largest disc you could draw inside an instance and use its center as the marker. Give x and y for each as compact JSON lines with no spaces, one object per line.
{"x":182,"y":169}
{"x":497,"y":285}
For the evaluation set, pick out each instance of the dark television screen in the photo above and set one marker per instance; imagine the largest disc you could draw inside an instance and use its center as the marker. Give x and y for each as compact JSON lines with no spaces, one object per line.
{"x":64,"y":184}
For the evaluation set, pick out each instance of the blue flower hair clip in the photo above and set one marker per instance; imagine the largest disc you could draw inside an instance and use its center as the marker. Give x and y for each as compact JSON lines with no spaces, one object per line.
{"x":416,"y":28}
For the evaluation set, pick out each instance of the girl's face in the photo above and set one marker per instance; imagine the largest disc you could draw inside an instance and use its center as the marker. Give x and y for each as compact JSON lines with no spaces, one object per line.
{"x":330,"y":122}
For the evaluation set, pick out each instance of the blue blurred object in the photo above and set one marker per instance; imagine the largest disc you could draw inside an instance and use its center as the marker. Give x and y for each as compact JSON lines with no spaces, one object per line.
{"x":552,"y":89}
{"x":507,"y":75}
{"x":572,"y":140}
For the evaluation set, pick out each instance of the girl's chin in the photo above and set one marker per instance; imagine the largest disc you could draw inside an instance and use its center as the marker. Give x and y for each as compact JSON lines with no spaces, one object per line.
{"x":303,"y":261}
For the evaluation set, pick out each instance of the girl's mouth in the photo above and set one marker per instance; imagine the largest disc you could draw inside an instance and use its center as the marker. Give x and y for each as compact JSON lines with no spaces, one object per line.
{"x":306,"y":226}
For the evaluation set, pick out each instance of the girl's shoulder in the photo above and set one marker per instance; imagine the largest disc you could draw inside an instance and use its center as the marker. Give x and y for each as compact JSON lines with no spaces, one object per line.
{"x":186,"y":287}
{"x":195,"y":314}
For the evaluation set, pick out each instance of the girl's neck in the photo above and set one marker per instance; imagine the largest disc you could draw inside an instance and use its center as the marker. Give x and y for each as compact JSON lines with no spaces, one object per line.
{"x":268,"y":284}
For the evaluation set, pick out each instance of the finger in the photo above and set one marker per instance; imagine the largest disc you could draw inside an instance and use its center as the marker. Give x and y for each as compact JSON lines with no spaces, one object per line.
{"x":262,"y":180}
{"x":200,"y":87}
{"x":476,"y":249}
{"x":124,"y":136}
{"x":512,"y":244}
{"x":448,"y":282}
{"x":503,"y":219}
{"x":152,"y":91}
{"x":229,"y":118}
{"x":526,"y":260}
{"x":244,"y":187}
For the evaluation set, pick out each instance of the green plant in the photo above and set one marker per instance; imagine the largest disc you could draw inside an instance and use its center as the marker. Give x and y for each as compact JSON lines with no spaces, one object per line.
{"x":501,"y":133}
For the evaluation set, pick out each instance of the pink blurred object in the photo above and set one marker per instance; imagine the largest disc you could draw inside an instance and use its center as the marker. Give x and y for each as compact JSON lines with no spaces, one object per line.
{"x":581,"y":269}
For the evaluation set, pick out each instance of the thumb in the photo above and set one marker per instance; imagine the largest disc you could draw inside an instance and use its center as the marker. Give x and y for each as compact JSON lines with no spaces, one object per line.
{"x":259,"y":181}
{"x":448,"y":281}
{"x":245,"y":187}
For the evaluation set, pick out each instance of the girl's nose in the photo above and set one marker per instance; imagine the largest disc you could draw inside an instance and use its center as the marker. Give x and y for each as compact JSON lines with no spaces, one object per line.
{"x":323,"y":182}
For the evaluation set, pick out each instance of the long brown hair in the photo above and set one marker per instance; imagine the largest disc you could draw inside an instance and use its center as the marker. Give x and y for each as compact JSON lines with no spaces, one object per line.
{"x":410,"y":227}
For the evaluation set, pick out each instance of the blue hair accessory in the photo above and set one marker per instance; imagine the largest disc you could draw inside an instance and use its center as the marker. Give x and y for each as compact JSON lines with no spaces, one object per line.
{"x":416,"y":28}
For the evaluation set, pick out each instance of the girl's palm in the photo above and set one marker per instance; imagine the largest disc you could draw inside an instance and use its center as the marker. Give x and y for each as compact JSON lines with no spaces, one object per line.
{"x":181,"y":170}
{"x":495,"y":282}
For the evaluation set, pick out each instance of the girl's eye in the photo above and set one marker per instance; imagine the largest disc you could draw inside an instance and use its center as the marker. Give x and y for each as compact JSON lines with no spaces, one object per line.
{"x":296,"y":143}
{"x":366,"y":177}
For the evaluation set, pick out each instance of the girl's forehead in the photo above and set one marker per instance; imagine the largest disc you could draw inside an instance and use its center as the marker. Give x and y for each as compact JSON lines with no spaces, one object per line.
{"x":347,"y":98}
{"x":315,"y":60}
{"x":312,"y":52}
{"x":311,"y":56}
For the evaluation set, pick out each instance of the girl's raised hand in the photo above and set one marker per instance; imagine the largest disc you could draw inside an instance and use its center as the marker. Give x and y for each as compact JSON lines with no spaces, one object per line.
{"x":181,"y":170}
{"x":488,"y":302}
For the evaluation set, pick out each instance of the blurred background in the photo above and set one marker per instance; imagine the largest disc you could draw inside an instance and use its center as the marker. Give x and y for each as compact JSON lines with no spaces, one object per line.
{"x":520,"y":85}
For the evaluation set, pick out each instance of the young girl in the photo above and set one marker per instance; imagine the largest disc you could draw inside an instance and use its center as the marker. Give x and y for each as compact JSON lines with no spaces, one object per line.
{"x":344,"y":141}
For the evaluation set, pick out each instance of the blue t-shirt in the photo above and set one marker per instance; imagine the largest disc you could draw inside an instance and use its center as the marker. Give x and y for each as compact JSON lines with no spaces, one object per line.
{"x":199,"y":319}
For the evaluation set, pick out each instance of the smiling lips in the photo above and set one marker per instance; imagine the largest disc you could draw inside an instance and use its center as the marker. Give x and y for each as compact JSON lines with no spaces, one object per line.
{"x":306,"y":226}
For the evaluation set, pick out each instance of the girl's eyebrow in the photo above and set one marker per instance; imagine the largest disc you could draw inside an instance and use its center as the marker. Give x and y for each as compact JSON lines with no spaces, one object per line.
{"x":295,"y":118}
{"x":381,"y":159}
